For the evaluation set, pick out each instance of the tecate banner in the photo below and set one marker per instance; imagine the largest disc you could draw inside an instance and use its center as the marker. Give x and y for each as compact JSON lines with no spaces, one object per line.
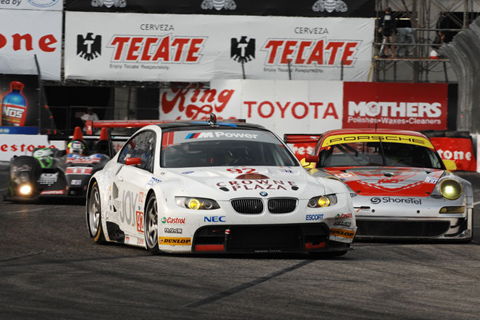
{"x":281,"y":106}
{"x":26,"y":33}
{"x":411,"y":106}
{"x":155,"y":47}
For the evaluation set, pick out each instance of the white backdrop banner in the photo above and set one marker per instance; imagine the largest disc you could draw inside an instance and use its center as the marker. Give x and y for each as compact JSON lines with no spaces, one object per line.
{"x":26,"y":33}
{"x":166,"y":47}
{"x":32,"y":4}
{"x":281,"y":106}
{"x":22,"y":144}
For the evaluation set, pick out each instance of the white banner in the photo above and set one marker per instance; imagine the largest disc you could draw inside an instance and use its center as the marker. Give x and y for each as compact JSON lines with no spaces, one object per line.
{"x":52,"y":5}
{"x":26,"y":33}
{"x":281,"y":106}
{"x":166,"y":47}
{"x":22,"y":144}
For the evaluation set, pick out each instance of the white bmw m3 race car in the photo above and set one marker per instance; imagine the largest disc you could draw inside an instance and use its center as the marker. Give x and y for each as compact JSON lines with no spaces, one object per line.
{"x":208,"y":187}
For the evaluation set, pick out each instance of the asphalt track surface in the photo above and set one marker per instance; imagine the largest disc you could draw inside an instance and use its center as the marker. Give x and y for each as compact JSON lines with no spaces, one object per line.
{"x":51,"y":269}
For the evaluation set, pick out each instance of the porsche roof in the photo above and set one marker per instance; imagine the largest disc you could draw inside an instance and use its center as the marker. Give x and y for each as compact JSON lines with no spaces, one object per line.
{"x":373,"y":131}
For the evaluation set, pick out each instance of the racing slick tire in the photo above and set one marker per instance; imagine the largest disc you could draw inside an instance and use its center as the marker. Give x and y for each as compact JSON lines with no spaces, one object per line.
{"x":151,"y":225}
{"x":94,"y":215}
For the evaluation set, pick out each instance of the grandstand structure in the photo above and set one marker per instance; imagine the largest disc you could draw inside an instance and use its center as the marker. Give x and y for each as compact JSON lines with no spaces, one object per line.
{"x":418,"y":23}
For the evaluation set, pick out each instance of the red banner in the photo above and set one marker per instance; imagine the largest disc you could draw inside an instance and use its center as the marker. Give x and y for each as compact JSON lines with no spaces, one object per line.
{"x":459,"y":150}
{"x":411,"y":106}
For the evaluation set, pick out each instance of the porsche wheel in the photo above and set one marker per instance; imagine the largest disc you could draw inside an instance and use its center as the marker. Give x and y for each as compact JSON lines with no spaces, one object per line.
{"x":94,"y":216}
{"x":151,"y":225}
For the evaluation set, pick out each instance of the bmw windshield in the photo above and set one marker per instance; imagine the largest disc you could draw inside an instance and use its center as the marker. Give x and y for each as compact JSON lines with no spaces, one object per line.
{"x":223,"y":147}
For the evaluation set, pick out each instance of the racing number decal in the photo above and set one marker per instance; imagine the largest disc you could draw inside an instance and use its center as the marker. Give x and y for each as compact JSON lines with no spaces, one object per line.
{"x":128,"y":207}
{"x":241,"y":170}
{"x":139,"y":218}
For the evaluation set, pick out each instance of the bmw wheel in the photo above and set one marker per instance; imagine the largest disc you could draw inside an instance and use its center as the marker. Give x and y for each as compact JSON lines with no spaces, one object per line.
{"x":151,"y":225}
{"x":94,"y":216}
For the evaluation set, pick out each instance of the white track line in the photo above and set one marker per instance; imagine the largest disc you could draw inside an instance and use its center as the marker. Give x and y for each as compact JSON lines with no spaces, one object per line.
{"x":33,"y":210}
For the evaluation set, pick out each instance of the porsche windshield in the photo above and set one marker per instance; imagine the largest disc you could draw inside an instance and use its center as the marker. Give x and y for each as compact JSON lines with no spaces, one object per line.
{"x":223,"y":147}
{"x":379,"y":154}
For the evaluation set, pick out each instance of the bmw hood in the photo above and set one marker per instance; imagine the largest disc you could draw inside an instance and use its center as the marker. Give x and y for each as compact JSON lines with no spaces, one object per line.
{"x":248,"y":182}
{"x":388,"y":181}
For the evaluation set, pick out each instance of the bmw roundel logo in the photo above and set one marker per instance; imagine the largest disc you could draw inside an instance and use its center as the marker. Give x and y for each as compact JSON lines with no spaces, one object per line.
{"x":263,"y":194}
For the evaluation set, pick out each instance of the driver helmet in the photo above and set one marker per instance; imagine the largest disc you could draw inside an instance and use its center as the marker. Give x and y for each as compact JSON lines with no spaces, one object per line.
{"x":76,"y":147}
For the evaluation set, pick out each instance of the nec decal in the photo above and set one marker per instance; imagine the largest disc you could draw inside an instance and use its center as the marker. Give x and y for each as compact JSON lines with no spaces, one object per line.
{"x":215,"y":219}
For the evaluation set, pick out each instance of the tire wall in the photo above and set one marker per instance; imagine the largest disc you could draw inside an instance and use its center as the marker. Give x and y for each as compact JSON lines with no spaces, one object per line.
{"x":463,"y":52}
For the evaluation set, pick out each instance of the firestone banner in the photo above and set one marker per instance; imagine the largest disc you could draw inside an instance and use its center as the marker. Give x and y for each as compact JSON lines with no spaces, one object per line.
{"x":25,"y":34}
{"x":154,"y":47}
{"x":281,"y":106}
{"x":410,"y":106}
{"x":460,"y":150}
{"x":305,"y":8}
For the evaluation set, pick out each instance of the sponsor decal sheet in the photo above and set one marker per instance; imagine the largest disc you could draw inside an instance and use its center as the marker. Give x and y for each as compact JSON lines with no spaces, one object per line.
{"x":166,"y":47}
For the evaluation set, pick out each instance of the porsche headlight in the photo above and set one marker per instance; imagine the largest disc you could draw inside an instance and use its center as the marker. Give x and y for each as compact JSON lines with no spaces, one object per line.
{"x":25,"y":190}
{"x":322,"y":201}
{"x":197,"y":203}
{"x":451,"y":189}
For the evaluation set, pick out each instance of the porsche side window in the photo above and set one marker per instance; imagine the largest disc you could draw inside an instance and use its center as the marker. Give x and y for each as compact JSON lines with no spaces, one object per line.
{"x":141,"y":146}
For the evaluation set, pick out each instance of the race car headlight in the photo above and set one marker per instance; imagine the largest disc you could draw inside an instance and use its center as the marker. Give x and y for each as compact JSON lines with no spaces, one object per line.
{"x":451,"y":189}
{"x":458,"y":209}
{"x":197,"y":203}
{"x":322,"y":201}
{"x":25,"y":190}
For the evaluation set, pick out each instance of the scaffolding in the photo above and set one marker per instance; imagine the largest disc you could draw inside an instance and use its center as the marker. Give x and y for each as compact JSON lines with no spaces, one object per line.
{"x":417,"y":58}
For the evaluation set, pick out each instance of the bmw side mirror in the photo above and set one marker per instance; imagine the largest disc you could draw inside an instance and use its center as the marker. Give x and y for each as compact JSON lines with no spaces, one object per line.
{"x":133,"y":161}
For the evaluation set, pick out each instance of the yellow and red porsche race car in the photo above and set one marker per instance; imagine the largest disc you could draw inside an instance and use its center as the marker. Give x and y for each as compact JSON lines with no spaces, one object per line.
{"x":400,"y":187}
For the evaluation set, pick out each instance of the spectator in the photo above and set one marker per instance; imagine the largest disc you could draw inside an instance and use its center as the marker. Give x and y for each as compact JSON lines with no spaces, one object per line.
{"x":437,"y":43}
{"x":387,"y":27}
{"x":131,"y":115}
{"x":89,"y":116}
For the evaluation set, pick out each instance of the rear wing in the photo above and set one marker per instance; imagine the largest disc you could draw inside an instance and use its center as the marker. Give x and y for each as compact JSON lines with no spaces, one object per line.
{"x":92,"y":125}
{"x":301,"y":138}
